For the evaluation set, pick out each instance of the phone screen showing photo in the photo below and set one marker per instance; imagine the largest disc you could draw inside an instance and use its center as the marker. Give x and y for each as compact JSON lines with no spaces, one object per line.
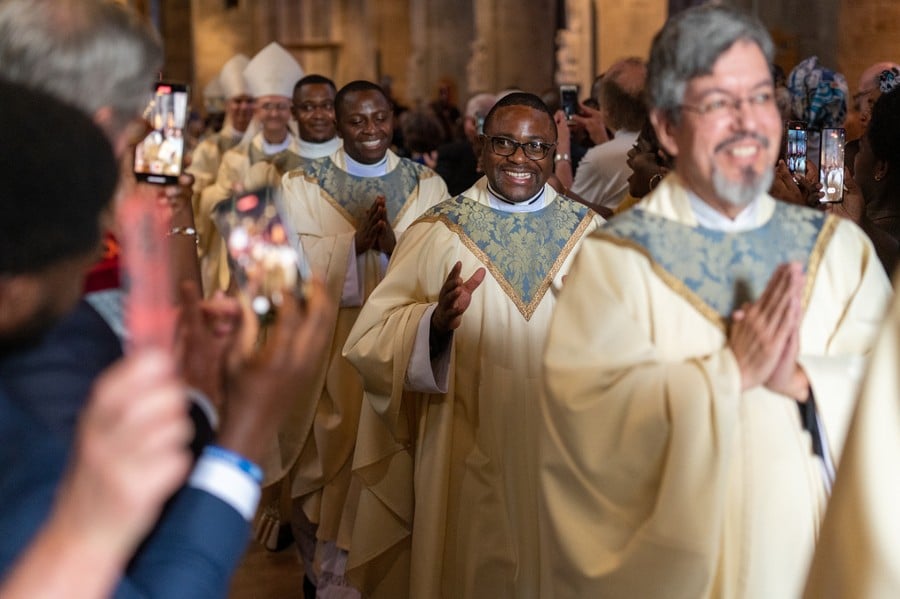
{"x":795,"y":152}
{"x":831,"y":166}
{"x":159,"y":157}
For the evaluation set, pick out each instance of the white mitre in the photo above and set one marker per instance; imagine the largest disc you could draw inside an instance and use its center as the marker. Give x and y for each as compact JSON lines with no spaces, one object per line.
{"x":273,"y":72}
{"x":231,"y":77}
{"x":213,"y":96}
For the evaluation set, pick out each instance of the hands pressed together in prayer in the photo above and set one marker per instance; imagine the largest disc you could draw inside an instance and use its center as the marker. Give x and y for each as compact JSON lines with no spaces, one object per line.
{"x":376,"y":232}
{"x":764,"y":335}
{"x":453,"y":300}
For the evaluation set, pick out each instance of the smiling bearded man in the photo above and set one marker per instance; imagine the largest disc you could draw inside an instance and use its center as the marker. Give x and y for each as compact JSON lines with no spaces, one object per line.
{"x":449,"y":346}
{"x":702,"y":363}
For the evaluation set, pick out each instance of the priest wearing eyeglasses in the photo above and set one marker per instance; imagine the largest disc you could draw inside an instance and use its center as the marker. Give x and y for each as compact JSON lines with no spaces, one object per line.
{"x":703,"y":360}
{"x":449,"y":346}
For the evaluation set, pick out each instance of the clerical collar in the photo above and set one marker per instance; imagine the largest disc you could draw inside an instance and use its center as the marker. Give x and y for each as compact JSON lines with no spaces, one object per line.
{"x":272,"y":149}
{"x":710,"y":218}
{"x":533,"y":204}
{"x":310,"y":149}
{"x":358,"y":169}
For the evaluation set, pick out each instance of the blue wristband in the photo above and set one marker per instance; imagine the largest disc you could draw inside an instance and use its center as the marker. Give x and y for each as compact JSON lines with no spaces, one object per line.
{"x":235,"y":459}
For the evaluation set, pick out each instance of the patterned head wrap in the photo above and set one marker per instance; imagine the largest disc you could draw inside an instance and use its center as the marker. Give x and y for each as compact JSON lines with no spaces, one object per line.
{"x":889,"y":80}
{"x":818,"y":95}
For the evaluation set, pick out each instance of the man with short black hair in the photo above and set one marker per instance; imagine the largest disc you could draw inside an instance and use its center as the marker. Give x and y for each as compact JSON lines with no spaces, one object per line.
{"x":449,"y":349}
{"x":313,"y":108}
{"x":348,"y":209}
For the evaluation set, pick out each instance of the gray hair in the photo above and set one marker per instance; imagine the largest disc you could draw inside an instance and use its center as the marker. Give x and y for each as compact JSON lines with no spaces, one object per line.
{"x":689,"y":45}
{"x":89,"y":53}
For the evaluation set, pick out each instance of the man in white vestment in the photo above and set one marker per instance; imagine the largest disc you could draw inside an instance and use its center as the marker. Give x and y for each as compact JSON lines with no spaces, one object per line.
{"x":704,"y":357}
{"x":239,"y":105}
{"x":313,"y":109}
{"x":207,"y":157}
{"x":270,"y":77}
{"x":449,"y":347}
{"x":348,"y":209}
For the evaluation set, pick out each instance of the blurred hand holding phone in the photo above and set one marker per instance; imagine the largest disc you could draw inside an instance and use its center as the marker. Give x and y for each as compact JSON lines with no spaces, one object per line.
{"x":264,"y":252}
{"x":159,"y":157}
{"x":831,"y":165}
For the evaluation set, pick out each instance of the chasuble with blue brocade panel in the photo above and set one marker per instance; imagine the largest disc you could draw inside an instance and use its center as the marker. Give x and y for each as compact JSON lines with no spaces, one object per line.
{"x":725,"y":270}
{"x":352,"y":196}
{"x":523,"y":250}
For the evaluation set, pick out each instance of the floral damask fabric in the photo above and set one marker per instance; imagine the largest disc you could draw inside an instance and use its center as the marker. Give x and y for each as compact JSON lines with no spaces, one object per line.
{"x":354,"y":195}
{"x":724,"y":270}
{"x":523,"y":251}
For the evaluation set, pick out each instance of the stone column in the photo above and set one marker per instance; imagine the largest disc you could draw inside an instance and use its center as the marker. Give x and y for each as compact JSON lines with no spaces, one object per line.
{"x":575,"y":47}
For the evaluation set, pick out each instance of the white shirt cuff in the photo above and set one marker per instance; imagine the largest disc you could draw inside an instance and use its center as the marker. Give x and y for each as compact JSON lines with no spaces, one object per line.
{"x":226,"y":481}
{"x":423,"y":374}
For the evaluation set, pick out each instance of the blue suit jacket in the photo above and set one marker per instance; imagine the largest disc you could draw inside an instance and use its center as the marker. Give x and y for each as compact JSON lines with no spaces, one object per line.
{"x":198,"y":540}
{"x":51,"y":379}
{"x":191,"y":553}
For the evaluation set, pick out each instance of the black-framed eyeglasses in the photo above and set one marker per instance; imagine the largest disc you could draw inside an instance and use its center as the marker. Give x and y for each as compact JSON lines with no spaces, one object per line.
{"x":504,"y":146}
{"x":726,"y":105}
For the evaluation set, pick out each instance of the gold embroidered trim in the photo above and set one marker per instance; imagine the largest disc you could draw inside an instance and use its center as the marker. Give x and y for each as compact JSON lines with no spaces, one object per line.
{"x":815,"y":257}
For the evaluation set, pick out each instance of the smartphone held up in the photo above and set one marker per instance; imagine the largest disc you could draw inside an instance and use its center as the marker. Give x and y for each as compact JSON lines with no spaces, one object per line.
{"x":796,"y":141}
{"x":264,"y":253}
{"x":568,"y":100}
{"x":159,"y":157}
{"x":831,"y":166}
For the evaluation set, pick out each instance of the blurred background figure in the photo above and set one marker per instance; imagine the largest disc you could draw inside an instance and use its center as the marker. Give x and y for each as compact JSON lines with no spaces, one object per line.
{"x":649,"y":164}
{"x":423,"y":132}
{"x":444,"y":107}
{"x":455,"y":161}
{"x":818,"y":98}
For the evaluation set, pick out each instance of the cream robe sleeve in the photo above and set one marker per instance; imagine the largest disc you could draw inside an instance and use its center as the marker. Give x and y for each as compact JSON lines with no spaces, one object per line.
{"x":381,"y":340}
{"x":634,"y":448}
{"x":857,"y":554}
{"x":327,"y":237}
{"x":379,"y":346}
{"x":847,"y":301}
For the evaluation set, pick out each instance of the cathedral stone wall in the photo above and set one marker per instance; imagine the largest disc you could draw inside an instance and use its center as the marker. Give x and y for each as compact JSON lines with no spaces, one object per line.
{"x":492,"y":44}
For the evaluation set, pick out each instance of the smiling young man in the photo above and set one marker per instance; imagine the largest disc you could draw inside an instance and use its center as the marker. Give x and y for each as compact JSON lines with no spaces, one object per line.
{"x":704,"y":356}
{"x":348,"y":208}
{"x":313,"y":108}
{"x":449,"y":346}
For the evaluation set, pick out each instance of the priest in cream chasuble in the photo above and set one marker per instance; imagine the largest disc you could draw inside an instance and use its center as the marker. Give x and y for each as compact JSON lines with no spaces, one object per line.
{"x":348,"y":208}
{"x":447,"y":452}
{"x":703,"y":360}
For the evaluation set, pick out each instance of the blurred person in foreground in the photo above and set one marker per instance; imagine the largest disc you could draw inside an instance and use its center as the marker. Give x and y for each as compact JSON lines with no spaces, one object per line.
{"x":704,"y":357}
{"x":83,"y":533}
